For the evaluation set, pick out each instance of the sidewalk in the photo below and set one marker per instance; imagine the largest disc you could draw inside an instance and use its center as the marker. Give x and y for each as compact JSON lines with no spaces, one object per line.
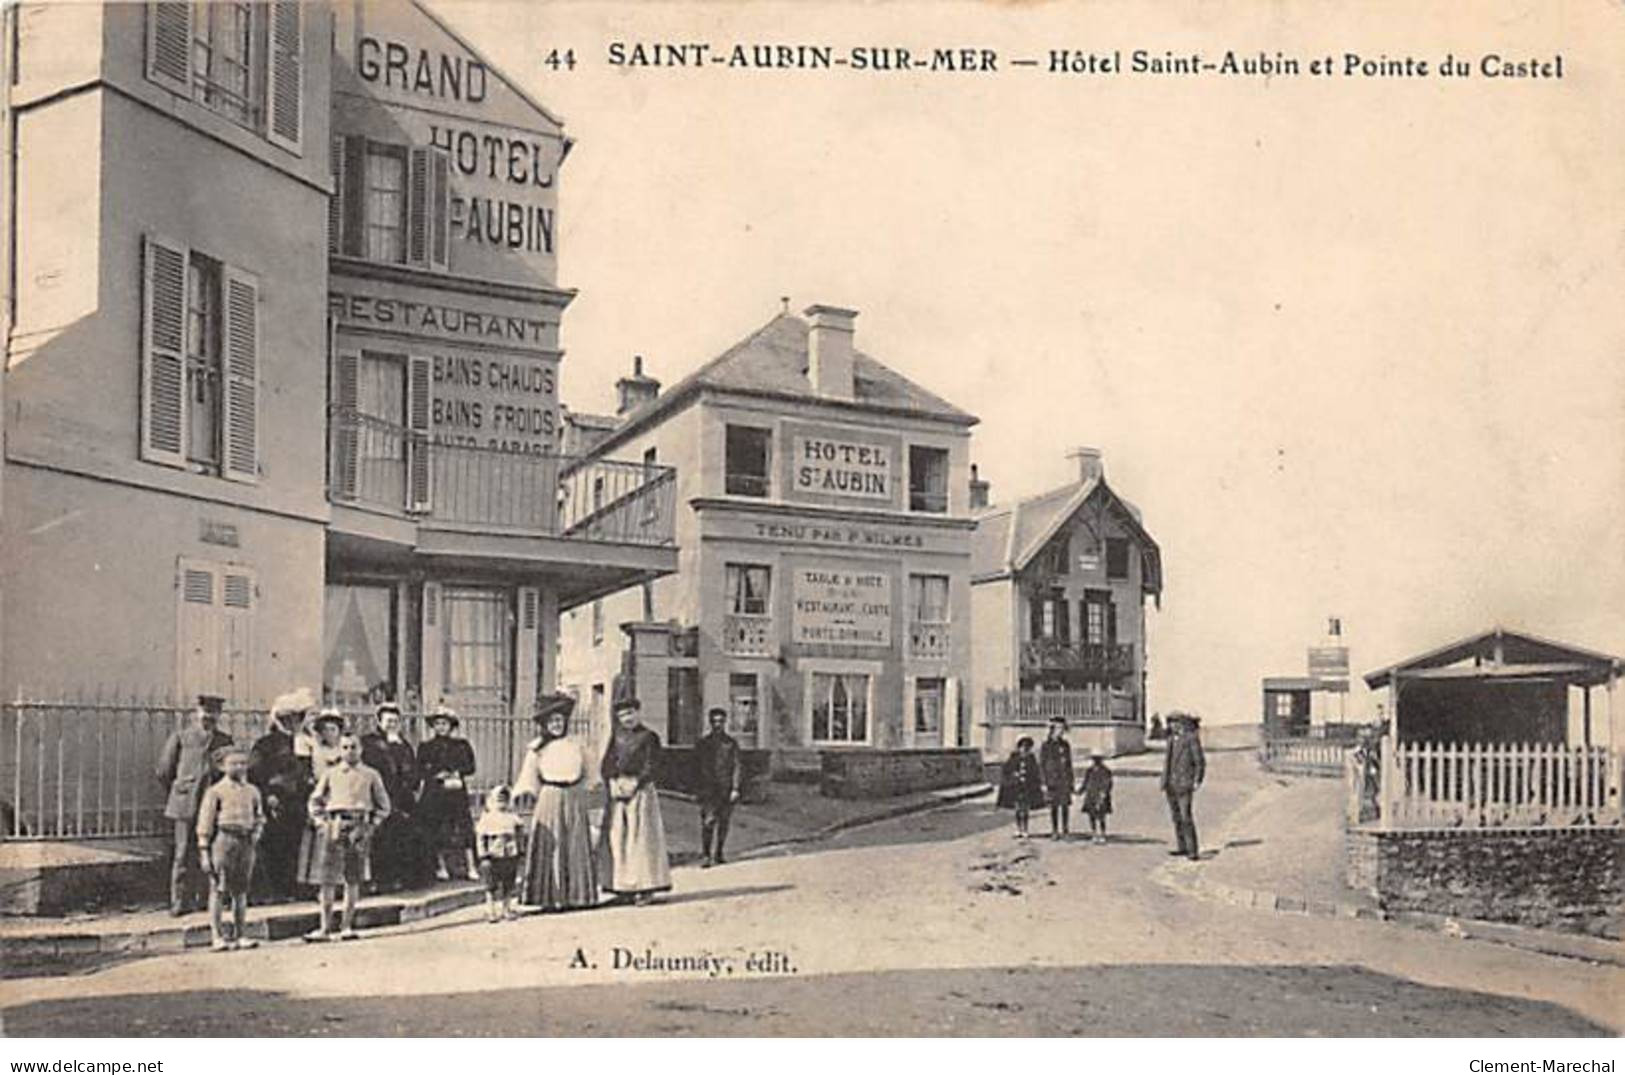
{"x":795,"y":814}
{"x":1281,"y":850}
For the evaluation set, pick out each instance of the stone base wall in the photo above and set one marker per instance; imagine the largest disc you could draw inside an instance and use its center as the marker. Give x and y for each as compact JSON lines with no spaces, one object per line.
{"x":880,"y":774}
{"x":1568,"y":879}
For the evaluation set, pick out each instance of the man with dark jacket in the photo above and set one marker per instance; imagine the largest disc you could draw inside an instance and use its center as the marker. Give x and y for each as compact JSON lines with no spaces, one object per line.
{"x":1183,"y":768}
{"x":186,"y":767}
{"x":284,"y":780}
{"x":395,"y":851}
{"x":716,"y":784}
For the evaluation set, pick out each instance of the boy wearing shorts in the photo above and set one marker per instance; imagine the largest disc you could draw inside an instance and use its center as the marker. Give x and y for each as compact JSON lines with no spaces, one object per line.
{"x":230,"y":820}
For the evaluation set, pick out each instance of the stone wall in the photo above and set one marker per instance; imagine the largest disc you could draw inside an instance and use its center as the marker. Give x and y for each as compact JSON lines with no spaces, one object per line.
{"x":880,"y":774}
{"x":1568,"y":879}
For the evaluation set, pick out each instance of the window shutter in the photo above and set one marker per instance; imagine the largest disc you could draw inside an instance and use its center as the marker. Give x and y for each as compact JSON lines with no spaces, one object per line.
{"x":344,"y":479}
{"x":950,"y":713}
{"x":353,"y":171}
{"x":236,"y":634}
{"x":526,"y":650}
{"x":335,"y":204}
{"x":169,"y":46}
{"x":240,"y":420}
{"x":417,"y":207}
{"x":1035,"y":617}
{"x":434,"y":653}
{"x":163,"y":353}
{"x":419,"y":408}
{"x":198,"y":629}
{"x":439,"y":208}
{"x":1063,"y":618}
{"x":285,"y":78}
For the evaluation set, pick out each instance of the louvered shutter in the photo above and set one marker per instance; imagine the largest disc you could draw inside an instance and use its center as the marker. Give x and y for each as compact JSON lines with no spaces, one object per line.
{"x":439,"y":209}
{"x":526,"y":650}
{"x":285,"y":78}
{"x":1035,"y":617}
{"x":236,"y":632}
{"x":163,"y":353}
{"x":240,"y":419}
{"x":950,"y":713}
{"x":419,"y":410}
{"x":169,"y":46}
{"x":335,"y":204}
{"x":353,"y":195}
{"x":427,"y":207}
{"x":433,"y":656}
{"x":197,"y":629}
{"x":344,"y":477}
{"x":1063,"y":617}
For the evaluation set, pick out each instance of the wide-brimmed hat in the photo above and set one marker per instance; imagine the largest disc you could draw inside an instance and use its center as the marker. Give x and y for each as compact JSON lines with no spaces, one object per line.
{"x":327,"y":716}
{"x":623,"y":704}
{"x":301,"y":700}
{"x":549,"y":704}
{"x":444,"y":712}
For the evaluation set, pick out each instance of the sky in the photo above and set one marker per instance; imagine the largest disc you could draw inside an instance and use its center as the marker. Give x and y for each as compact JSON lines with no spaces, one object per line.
{"x":1355,"y":346}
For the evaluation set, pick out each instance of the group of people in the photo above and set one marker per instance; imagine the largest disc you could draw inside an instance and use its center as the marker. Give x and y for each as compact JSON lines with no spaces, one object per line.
{"x":1030,"y":781}
{"x":316,"y":803}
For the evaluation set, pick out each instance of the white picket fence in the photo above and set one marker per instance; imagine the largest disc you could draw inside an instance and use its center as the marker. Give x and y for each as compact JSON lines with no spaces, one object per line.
{"x":1499,"y":785}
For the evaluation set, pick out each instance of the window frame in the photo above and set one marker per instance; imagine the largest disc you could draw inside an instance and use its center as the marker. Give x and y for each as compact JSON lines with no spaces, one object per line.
{"x":812,"y":670}
{"x":1118,"y":547}
{"x":736,"y":598}
{"x":738,"y":482}
{"x":921,"y":498}
{"x":918,"y":583}
{"x":920,"y":693}
{"x":499,"y":598}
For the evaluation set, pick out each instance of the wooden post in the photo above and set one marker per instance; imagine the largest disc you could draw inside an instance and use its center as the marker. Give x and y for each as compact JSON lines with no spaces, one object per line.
{"x":1586,"y":731}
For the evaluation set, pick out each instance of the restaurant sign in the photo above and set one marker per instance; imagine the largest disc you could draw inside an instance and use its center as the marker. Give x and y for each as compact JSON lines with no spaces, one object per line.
{"x":842,"y":607}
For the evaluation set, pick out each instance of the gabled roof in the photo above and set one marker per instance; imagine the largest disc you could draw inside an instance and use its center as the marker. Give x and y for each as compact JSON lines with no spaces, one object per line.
{"x":772,"y":363}
{"x":491,"y":68}
{"x":1009,"y":537}
{"x":1500,"y":653}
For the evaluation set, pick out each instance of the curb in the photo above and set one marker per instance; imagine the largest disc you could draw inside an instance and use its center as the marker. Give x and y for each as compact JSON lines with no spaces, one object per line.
{"x":938,"y":799}
{"x":272,"y":926}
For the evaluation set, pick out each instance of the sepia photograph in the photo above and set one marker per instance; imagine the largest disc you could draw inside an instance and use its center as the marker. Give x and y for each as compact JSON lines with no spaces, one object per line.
{"x":839,"y":520}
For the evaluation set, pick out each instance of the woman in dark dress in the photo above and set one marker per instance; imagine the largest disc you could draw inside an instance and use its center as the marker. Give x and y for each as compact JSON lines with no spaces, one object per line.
{"x":1021,"y":786}
{"x":446,"y":761}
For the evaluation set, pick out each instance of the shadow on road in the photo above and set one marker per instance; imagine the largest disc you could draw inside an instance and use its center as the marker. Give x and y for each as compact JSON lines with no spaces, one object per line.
{"x":1174,"y":1000}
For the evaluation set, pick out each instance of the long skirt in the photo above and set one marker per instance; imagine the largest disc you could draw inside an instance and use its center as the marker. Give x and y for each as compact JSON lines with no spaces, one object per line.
{"x":443,"y":820}
{"x":559,"y":868}
{"x":634,"y":845}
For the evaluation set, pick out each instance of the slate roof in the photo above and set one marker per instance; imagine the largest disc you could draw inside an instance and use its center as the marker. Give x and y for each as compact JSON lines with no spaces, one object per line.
{"x":772,"y":363}
{"x":1008,"y":536}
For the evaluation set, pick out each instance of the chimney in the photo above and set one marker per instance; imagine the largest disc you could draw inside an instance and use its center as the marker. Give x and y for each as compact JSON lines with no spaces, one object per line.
{"x":829,"y":351}
{"x":636,"y":390}
{"x":1090,"y":467}
{"x":978,"y":490}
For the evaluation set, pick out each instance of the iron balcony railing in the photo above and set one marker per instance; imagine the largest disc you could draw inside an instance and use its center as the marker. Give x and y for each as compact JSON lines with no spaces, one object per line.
{"x":381,"y":465}
{"x":1005,"y":706}
{"x":1091,"y":659}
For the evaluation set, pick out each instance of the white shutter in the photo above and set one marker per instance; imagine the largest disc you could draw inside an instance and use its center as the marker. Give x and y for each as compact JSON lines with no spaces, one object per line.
{"x":284,"y":79}
{"x":240,"y":419}
{"x":526,"y":650}
{"x":419,"y":411}
{"x":163,"y":353}
{"x":335,"y":204}
{"x":169,"y":46}
{"x":238,"y":598}
{"x":197,"y":635}
{"x":345,"y":462}
{"x":433,"y":649}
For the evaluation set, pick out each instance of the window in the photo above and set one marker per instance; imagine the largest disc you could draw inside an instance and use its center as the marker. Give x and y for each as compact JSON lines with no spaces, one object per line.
{"x":242,"y":61}
{"x":477,"y":644}
{"x":749,"y":589}
{"x":598,"y":622}
{"x":200,"y":363}
{"x":927,"y":479}
{"x":1283,"y":705}
{"x":1099,"y":619}
{"x":391,"y":203}
{"x":1058,"y":555}
{"x":358,"y":644}
{"x":929,"y":693}
{"x":840,"y":707}
{"x":1116,"y":558}
{"x":928,"y":598}
{"x":744,"y":707}
{"x":746,"y":451}
{"x":215,"y":629}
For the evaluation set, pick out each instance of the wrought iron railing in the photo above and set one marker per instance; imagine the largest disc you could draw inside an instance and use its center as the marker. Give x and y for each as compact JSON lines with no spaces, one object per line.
{"x":747,"y":636}
{"x":929,"y":640}
{"x":381,"y":465}
{"x":1005,"y":706}
{"x":1090,"y":659}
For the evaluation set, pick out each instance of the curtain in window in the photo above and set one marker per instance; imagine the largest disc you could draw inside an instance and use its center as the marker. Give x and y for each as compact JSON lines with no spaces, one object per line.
{"x":928,"y":706}
{"x":748,"y":589}
{"x":477,"y":641}
{"x":928,"y":599}
{"x":356,"y":647}
{"x":840,"y":707}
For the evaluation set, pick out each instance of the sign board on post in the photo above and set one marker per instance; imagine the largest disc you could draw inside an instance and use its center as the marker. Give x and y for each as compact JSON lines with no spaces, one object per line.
{"x":842,"y":607}
{"x":1330,"y":664}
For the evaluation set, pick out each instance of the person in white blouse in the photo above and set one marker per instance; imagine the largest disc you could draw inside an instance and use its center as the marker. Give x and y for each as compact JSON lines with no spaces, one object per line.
{"x":559,"y":872}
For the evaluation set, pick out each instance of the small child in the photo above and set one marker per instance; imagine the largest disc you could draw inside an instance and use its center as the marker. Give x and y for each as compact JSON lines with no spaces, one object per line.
{"x":1097,"y":795}
{"x":1021,"y":785}
{"x":230,"y":819}
{"x":497,"y":837}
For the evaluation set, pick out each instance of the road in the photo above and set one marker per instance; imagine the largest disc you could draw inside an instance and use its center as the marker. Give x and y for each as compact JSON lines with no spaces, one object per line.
{"x":936,"y":924}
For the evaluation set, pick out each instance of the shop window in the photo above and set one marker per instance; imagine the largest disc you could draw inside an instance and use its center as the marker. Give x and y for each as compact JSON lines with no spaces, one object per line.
{"x":216,"y":621}
{"x":928,"y":598}
{"x":929,"y":693}
{"x":749,"y":589}
{"x":200,"y":363}
{"x":927,"y":479}
{"x":840,"y":707}
{"x":746,"y":454}
{"x":1116,"y":558}
{"x":478,"y":645}
{"x":391,"y":203}
{"x":242,"y":61}
{"x":358,"y":644}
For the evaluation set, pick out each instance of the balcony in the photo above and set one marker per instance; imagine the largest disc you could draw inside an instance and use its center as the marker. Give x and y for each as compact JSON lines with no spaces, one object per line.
{"x":747,"y":635}
{"x":1038,"y":707}
{"x":929,"y":641}
{"x":1089,"y":660}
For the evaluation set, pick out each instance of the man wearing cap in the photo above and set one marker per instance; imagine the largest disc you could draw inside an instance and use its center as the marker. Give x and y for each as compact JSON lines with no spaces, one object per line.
{"x":284,"y":780}
{"x":716,"y":783}
{"x":385,"y":749}
{"x":230,"y":821}
{"x":1183,"y":767}
{"x":186,"y":767}
{"x":634,"y":863}
{"x":447,"y":761}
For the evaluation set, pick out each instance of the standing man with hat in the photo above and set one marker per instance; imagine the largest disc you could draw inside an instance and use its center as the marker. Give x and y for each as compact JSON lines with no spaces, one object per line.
{"x":186,"y":767}
{"x":1055,"y":763}
{"x":284,"y":780}
{"x":446,"y":761}
{"x":716,"y":784}
{"x":634,"y":863}
{"x":1183,"y":768}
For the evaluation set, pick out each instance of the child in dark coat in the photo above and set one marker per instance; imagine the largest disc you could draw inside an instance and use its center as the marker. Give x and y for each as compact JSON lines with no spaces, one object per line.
{"x":1021,"y":785}
{"x":1097,"y":795}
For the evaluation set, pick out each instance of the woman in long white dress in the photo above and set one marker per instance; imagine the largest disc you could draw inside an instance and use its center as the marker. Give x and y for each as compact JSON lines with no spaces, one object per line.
{"x":560,"y":873}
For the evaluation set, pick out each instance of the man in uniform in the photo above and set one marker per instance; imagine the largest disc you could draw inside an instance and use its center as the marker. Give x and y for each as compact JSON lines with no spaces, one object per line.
{"x":716,"y":783}
{"x":1183,"y":767}
{"x":186,"y":767}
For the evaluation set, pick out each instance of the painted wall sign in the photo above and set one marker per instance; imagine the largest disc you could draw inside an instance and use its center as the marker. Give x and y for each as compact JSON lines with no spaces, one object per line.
{"x":831,"y":466}
{"x":505,"y":403}
{"x":837,"y":534}
{"x":834,"y":605}
{"x":436,"y":319}
{"x":214,"y":532}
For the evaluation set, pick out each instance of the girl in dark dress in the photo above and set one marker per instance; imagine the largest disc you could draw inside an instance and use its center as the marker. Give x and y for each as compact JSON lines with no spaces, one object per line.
{"x":1021,"y":786}
{"x":446,"y":762}
{"x":1097,"y":795}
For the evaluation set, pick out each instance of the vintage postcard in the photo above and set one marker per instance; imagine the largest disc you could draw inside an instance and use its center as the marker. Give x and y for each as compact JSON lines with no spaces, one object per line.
{"x":813,"y":520}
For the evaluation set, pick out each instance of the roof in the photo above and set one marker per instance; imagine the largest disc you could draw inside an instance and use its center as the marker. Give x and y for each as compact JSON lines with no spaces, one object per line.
{"x":1500,"y":653}
{"x":771,"y":362}
{"x":1008,"y":537}
{"x":513,"y":87}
